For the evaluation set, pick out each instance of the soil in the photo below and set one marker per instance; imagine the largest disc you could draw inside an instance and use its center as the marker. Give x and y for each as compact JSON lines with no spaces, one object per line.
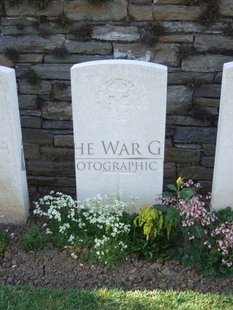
{"x":56,"y":269}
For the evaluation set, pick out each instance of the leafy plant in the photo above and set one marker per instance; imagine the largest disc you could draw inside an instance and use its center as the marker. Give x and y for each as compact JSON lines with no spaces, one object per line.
{"x":63,"y":21}
{"x":4,"y":242}
{"x":12,"y":54}
{"x":60,"y":52}
{"x":31,"y":76}
{"x":34,"y":239}
{"x":150,"y":33}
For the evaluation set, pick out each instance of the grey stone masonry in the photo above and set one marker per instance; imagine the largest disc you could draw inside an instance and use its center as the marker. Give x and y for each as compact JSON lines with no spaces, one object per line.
{"x":42,"y":44}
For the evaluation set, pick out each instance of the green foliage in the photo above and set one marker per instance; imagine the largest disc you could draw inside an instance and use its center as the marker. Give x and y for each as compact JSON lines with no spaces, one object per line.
{"x":150,"y":33}
{"x":34,"y":239}
{"x":225,"y":215}
{"x":31,"y":76}
{"x":184,"y":52}
{"x":4,"y":242}
{"x":211,"y":13}
{"x":60,"y":52}
{"x":83,"y":31}
{"x":12,"y":53}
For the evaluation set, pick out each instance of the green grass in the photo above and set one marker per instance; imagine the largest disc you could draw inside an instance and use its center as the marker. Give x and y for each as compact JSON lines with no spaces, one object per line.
{"x":27,"y":298}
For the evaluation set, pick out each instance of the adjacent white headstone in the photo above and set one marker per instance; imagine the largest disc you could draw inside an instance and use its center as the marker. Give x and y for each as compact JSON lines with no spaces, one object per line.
{"x":222,"y":190}
{"x":119,"y":109}
{"x":14,"y":202}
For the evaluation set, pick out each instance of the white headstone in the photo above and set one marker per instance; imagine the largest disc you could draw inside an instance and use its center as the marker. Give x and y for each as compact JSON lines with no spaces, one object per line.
{"x":222,"y":190}
{"x":119,"y":109}
{"x":14,"y":202}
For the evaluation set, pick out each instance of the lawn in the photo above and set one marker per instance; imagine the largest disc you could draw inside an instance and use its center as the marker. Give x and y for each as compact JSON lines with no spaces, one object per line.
{"x":24,"y":297}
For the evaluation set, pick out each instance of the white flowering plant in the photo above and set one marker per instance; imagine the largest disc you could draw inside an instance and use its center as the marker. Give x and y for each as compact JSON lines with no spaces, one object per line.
{"x":97,"y":228}
{"x":207,"y":235}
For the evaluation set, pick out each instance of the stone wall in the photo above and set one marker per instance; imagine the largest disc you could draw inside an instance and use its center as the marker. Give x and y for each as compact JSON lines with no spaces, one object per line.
{"x":42,"y":39}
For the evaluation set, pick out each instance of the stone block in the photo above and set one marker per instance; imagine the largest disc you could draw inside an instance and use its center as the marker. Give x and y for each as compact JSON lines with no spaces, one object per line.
{"x":176,"y":12}
{"x":208,"y":91}
{"x":28,"y":102}
{"x":189,"y":77}
{"x":185,"y":121}
{"x":176,"y":38}
{"x":208,"y":149}
{"x":31,"y":151}
{"x":56,"y":154}
{"x":170,"y":171}
{"x":57,"y":110}
{"x":214,"y":43}
{"x":37,"y":136}
{"x":116,"y":33}
{"x":79,"y":10}
{"x":41,"y":88}
{"x":89,"y":48}
{"x":226,"y":8}
{"x":180,"y":155}
{"x":141,"y":12}
{"x":207,"y":161}
{"x":166,"y":54}
{"x":23,"y":8}
{"x":195,"y":135}
{"x":206,"y":102}
{"x":56,"y":183}
{"x":47,"y":168}
{"x":64,"y":140}
{"x":205,"y":63}
{"x":133,"y":51}
{"x":53,"y":71}
{"x":61,"y":125}
{"x":30,"y":122}
{"x":195,"y":172}
{"x":179,"y":99}
{"x":72,"y":58}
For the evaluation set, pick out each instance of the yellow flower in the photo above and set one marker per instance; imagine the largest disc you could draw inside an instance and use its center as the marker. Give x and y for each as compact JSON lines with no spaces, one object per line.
{"x":179,"y":181}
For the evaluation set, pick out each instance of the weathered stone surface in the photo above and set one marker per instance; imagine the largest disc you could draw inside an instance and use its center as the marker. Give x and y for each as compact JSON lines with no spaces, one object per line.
{"x":16,"y":30}
{"x":195,"y":172}
{"x":186,"y":121}
{"x":141,"y":13}
{"x":170,"y":170}
{"x":72,"y":58}
{"x":14,"y":21}
{"x":50,"y":168}
{"x":179,"y":99}
{"x":24,"y":9}
{"x":57,"y":125}
{"x":64,"y":140}
{"x":37,"y":136}
{"x":57,"y":154}
{"x":31,"y":151}
{"x":195,"y":135}
{"x":133,"y":51}
{"x":5,"y":61}
{"x":206,"y":102}
{"x":208,"y":149}
{"x":61,"y":91}
{"x":27,"y":102}
{"x":116,"y":33}
{"x":176,"y":12}
{"x":205,"y":43}
{"x":182,"y":27}
{"x":218,"y":78}
{"x":41,"y":88}
{"x":168,"y":1}
{"x":189,"y":77}
{"x":114,"y":10}
{"x":208,"y":90}
{"x":141,"y":1}
{"x":207,"y":162}
{"x":176,"y":38}
{"x":30,"y":122}
{"x":53,"y":71}
{"x":226,"y":7}
{"x":57,"y":110}
{"x":89,"y":48}
{"x":31,"y":43}
{"x":179,"y":155}
{"x":205,"y":63}
{"x":54,"y":182}
{"x":31,"y":58}
{"x":166,"y":54}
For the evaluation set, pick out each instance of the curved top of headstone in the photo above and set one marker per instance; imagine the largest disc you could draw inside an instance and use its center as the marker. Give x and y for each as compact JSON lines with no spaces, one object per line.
{"x":228,"y":64}
{"x":118,"y":62}
{"x":6,"y":69}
